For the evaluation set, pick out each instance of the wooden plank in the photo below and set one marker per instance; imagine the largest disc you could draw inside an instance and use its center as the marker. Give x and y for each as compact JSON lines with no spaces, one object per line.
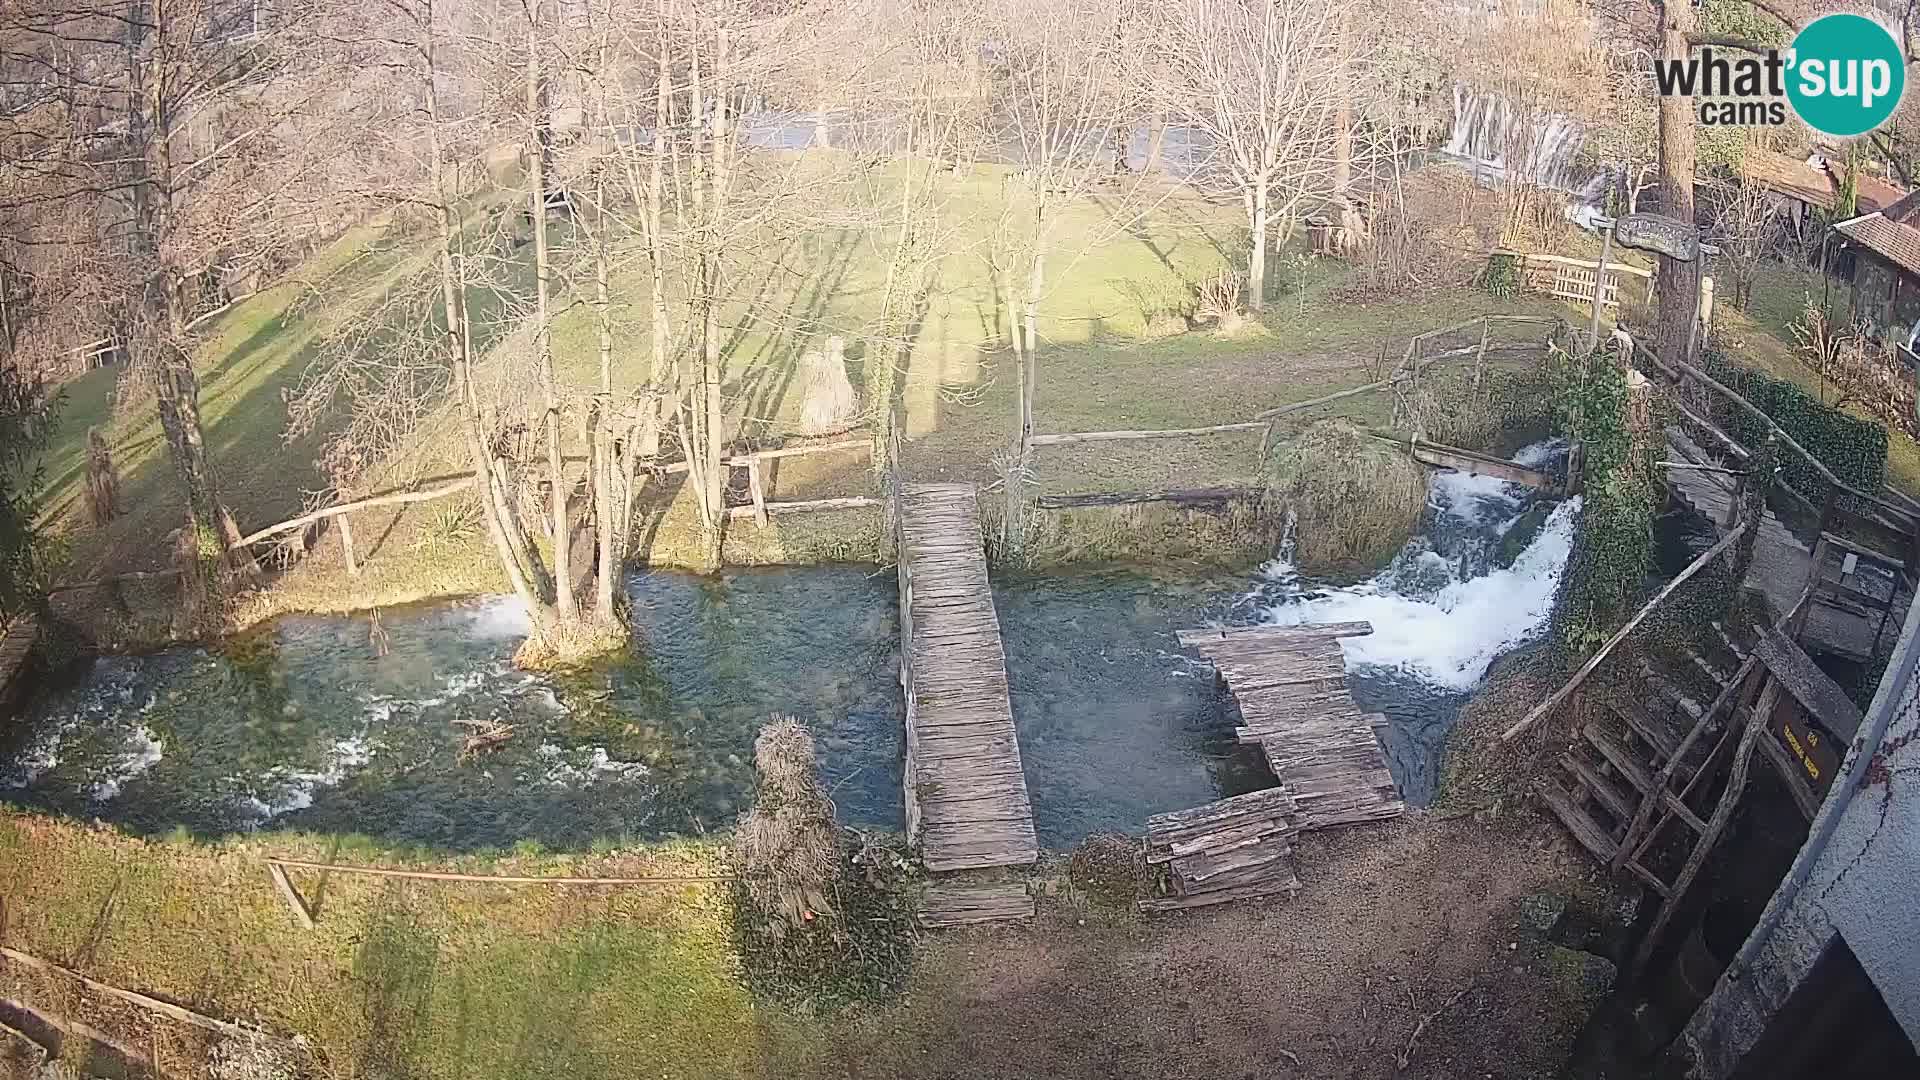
{"x":1587,"y":831}
{"x":297,"y":904}
{"x":1602,"y":789}
{"x":1622,"y":759}
{"x":1275,"y":883}
{"x":1796,"y":672}
{"x":953,"y":904}
{"x":1272,"y":634}
{"x":1121,"y":436}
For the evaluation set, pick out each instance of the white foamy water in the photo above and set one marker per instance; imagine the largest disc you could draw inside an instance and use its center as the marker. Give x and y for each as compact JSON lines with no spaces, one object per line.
{"x":1438,"y":619}
{"x":573,"y":768}
{"x":144,"y":751}
{"x":282,"y":791}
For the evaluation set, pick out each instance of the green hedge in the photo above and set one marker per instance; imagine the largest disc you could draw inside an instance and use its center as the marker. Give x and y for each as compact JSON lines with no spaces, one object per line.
{"x":1855,"y":449}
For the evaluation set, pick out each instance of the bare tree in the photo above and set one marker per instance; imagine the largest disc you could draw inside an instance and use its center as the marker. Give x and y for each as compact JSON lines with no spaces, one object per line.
{"x":1258,"y":79}
{"x":185,"y":152}
{"x":1748,"y":225}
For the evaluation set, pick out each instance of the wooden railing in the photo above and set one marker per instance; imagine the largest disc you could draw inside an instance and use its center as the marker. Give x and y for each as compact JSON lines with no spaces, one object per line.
{"x":1414,"y":361}
{"x":1571,"y":279}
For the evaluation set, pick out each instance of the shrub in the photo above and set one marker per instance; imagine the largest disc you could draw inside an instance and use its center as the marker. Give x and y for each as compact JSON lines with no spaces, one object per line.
{"x":1855,"y":449}
{"x":1607,"y":570}
{"x":1501,"y":278}
{"x":821,"y":916}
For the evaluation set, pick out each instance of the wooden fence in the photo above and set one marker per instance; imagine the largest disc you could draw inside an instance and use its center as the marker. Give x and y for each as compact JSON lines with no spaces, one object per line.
{"x":1415,"y":360}
{"x":1572,"y":279}
{"x":760,"y":508}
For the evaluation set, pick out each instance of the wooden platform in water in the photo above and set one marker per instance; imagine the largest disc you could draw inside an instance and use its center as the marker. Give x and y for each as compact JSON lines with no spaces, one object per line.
{"x":966,"y":796}
{"x":1291,"y":685}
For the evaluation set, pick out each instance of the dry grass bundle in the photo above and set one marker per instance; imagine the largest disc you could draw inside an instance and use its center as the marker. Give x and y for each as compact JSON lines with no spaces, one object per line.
{"x":830,"y":405}
{"x":103,"y":484}
{"x":1355,"y":500}
{"x":788,"y":843}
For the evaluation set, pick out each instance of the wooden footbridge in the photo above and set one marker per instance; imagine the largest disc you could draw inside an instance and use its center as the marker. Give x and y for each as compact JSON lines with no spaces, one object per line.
{"x":1291,"y":685}
{"x":966,"y":796}
{"x":16,"y":650}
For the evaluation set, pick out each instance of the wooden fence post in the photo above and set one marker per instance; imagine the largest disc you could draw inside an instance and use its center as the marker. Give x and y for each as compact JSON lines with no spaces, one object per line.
{"x":1480,"y":358}
{"x":346,"y":544}
{"x":757,"y":490}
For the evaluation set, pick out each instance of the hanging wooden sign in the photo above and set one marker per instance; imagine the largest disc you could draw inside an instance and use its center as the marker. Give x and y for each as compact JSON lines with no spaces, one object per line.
{"x":1671,"y":237}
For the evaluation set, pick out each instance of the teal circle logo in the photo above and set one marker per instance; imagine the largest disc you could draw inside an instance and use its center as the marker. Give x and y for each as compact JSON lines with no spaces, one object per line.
{"x":1845,"y":74}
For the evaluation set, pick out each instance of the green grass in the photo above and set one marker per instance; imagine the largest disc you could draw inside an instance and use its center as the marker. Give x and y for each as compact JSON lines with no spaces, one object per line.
{"x":1096,"y":370}
{"x":400,"y":978}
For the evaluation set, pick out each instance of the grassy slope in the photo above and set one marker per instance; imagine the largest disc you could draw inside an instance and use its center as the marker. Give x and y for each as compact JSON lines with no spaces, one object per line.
{"x":424,"y":979}
{"x":1766,"y":342}
{"x":1096,"y":371}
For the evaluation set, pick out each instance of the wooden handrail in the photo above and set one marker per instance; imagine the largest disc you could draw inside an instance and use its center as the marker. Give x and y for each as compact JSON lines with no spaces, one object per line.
{"x":1620,"y":635}
{"x":1761,"y":415}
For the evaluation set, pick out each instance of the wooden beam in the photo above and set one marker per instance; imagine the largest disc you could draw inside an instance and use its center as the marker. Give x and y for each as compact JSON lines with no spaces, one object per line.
{"x":152,"y":1004}
{"x":297,"y":904}
{"x":394,"y":499}
{"x":848,"y":503}
{"x":1125,"y":498}
{"x":1450,"y":457}
{"x":1121,"y":436}
{"x":498,"y":879}
{"x":1620,"y":635}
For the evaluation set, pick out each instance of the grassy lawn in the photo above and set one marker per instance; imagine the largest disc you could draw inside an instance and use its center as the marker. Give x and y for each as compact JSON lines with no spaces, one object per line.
{"x":400,"y":978}
{"x":1098,"y":369}
{"x":1763,"y":338}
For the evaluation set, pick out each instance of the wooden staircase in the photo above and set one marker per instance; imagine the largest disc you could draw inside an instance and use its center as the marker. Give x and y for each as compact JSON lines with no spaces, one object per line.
{"x":1645,"y":765}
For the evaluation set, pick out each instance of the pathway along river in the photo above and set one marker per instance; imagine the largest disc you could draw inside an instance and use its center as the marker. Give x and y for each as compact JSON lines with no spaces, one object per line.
{"x":312,"y":724}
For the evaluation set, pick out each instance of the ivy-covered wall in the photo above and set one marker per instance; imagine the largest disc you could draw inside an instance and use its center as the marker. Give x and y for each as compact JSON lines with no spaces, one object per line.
{"x":1607,"y":572}
{"x":1855,"y":449}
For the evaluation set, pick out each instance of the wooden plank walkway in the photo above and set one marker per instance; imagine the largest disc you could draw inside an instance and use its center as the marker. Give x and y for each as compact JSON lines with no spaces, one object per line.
{"x":1782,"y":564}
{"x":1291,"y":685}
{"x":966,"y":796}
{"x":15,"y":649}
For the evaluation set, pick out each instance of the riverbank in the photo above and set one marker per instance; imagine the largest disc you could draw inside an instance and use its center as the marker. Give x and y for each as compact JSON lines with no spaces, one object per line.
{"x":444,"y":979}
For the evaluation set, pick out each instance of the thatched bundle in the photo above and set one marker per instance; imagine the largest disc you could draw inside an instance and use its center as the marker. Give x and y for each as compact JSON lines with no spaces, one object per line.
{"x":1355,"y":499}
{"x":788,"y":844}
{"x":103,"y":487}
{"x":830,"y":404}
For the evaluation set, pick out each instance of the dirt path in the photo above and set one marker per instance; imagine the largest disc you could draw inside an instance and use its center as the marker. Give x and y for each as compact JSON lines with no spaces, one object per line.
{"x":1392,"y":924}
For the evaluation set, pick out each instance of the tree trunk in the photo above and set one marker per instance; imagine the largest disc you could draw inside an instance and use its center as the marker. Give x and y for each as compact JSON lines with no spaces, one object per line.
{"x":1677,"y":283}
{"x":605,"y":518}
{"x":1257,"y":249}
{"x":717,"y":211}
{"x":561,"y":529}
{"x":459,"y":339}
{"x":1156,"y":142}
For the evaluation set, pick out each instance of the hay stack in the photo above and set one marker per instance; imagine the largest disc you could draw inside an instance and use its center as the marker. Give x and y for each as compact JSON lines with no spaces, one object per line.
{"x":1355,"y":499}
{"x":788,"y":843}
{"x":830,"y":405}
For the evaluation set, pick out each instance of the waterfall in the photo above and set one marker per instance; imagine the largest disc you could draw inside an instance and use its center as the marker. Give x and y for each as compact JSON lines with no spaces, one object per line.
{"x":1449,"y":604}
{"x":1486,"y":127}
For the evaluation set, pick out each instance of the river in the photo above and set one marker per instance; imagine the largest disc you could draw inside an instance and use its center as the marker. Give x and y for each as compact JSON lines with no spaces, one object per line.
{"x":322,"y":724}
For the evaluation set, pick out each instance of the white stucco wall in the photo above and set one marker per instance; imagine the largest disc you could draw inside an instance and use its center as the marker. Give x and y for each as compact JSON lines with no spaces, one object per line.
{"x":1864,"y":886}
